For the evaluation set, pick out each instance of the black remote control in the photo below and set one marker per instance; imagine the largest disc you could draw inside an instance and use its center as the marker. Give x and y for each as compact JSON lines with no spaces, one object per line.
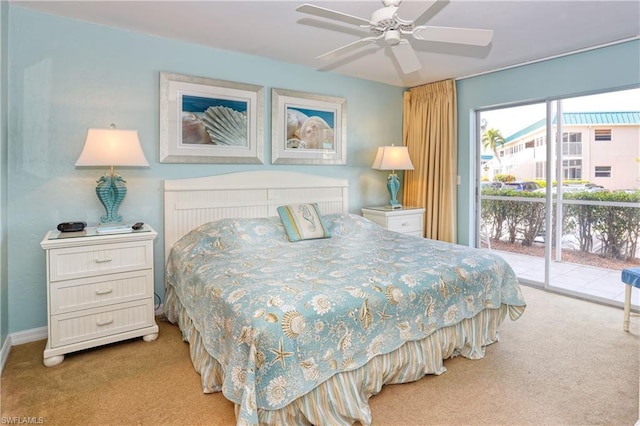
{"x":137,"y":226}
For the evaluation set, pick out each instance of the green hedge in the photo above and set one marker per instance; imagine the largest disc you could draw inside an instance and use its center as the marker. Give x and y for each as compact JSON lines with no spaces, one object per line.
{"x":513,"y":217}
{"x":618,"y":228}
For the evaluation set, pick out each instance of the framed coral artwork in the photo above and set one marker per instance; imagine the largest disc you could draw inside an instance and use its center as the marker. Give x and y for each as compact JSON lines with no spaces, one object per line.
{"x":203,"y":120}
{"x":307,"y":128}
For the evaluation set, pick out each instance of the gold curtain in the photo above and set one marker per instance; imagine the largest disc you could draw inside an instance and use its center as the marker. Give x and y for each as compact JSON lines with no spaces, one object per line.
{"x":429,"y":133}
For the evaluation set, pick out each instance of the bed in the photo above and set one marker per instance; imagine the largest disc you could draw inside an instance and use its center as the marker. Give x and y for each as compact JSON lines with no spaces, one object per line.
{"x":306,"y":332}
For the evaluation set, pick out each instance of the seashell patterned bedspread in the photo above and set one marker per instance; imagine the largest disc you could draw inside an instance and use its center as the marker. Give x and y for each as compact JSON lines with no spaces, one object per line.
{"x":283,"y":317}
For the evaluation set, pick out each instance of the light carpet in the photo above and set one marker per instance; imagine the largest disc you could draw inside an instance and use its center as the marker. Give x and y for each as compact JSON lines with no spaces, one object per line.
{"x":564,"y":362}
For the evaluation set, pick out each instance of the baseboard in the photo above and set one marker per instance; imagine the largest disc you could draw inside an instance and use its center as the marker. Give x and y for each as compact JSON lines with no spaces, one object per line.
{"x":19,"y":338}
{"x":29,"y":336}
{"x":4,"y":352}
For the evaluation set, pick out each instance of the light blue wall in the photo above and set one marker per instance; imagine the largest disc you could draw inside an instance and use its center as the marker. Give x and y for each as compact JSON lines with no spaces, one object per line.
{"x":603,"y":69}
{"x":4,"y":280}
{"x":66,"y":76}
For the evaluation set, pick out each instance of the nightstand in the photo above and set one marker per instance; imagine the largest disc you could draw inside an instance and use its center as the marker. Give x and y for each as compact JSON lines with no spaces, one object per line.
{"x":99,"y":289}
{"x":407,"y":220}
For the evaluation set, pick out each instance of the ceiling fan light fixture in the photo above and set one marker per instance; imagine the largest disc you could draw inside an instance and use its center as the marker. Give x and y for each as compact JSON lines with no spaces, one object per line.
{"x":392,"y":37}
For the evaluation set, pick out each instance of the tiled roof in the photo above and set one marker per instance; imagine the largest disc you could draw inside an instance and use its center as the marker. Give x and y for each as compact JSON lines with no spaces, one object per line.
{"x":584,"y":119}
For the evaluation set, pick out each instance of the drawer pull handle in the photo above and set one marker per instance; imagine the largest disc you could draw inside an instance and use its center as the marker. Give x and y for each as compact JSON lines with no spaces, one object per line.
{"x":104,"y":291}
{"x":405,"y":224}
{"x":103,"y":259}
{"x":104,"y":322}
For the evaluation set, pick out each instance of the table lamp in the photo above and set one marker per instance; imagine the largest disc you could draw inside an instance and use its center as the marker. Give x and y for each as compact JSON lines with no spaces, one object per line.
{"x":111,"y":147}
{"x":393,"y":158}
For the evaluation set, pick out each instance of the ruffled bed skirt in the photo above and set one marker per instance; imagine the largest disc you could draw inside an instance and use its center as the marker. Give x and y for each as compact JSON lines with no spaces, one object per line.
{"x":343,"y":399}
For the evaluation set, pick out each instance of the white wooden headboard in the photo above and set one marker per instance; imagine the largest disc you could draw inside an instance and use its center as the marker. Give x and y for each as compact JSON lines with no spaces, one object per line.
{"x":189,"y":203}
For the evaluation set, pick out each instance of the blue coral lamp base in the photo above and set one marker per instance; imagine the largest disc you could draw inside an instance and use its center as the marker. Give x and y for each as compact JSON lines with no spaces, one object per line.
{"x":393,"y":184}
{"x":111,"y":190}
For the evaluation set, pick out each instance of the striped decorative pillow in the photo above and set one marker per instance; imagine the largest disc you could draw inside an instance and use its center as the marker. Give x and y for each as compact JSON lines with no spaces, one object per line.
{"x":303,"y":222}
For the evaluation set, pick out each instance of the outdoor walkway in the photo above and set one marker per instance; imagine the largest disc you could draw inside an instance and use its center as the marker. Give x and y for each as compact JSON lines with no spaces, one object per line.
{"x":598,"y":284}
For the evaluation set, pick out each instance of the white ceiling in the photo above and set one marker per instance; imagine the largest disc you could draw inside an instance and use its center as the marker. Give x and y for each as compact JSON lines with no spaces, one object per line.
{"x":525,"y":30}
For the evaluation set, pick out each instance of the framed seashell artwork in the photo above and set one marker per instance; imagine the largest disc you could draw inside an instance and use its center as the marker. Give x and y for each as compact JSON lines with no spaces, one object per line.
{"x":307,"y":128}
{"x":204,"y":120}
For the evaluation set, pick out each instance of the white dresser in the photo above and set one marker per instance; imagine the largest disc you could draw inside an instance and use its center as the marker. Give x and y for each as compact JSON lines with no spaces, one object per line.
{"x":99,"y":289}
{"x":407,"y":220}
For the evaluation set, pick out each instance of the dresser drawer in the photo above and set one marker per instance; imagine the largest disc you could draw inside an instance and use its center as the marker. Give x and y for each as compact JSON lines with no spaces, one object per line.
{"x":85,"y":293}
{"x":86,"y":261}
{"x":66,"y":329}
{"x":406,"y":223}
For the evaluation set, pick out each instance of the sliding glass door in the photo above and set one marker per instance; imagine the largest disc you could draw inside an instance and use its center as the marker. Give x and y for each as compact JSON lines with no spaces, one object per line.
{"x":559,"y":191}
{"x":512,"y":210}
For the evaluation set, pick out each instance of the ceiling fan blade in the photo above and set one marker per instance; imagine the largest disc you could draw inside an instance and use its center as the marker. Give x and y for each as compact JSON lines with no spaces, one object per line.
{"x":414,"y":9}
{"x":332,"y":14}
{"x":347,"y":47}
{"x":406,"y":57}
{"x":472,"y":36}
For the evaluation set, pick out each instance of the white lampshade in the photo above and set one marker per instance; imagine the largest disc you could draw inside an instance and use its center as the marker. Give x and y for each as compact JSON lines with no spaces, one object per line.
{"x":112,"y":147}
{"x":392,"y":158}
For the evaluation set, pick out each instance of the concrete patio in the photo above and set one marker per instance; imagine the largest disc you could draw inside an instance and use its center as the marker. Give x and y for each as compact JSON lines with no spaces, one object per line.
{"x":586,"y":282}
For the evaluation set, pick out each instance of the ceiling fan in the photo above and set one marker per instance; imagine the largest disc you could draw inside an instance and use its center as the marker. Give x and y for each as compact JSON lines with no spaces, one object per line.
{"x":385,"y":24}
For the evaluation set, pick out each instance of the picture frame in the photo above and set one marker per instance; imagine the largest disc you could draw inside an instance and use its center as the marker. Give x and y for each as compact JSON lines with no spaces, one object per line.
{"x":308,"y":128}
{"x":205,"y":120}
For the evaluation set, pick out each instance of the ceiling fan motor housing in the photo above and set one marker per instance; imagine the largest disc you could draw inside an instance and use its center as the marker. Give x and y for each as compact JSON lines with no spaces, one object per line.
{"x":385,"y":19}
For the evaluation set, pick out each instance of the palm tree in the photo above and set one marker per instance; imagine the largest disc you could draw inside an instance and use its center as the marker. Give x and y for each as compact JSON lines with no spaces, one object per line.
{"x":492,"y":138}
